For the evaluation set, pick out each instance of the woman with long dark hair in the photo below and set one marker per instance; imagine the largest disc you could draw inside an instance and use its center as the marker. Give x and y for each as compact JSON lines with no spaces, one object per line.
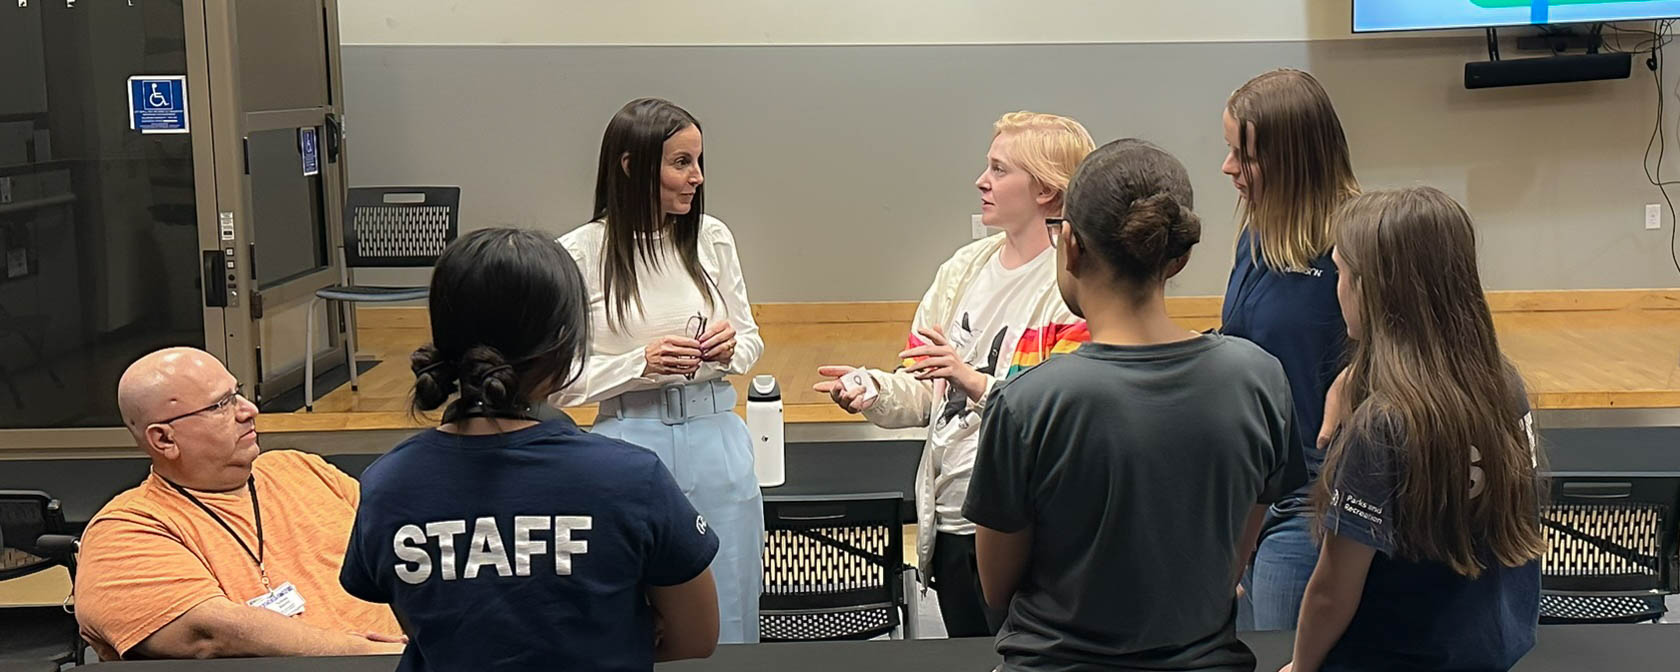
{"x":671,"y":321}
{"x":505,"y":542}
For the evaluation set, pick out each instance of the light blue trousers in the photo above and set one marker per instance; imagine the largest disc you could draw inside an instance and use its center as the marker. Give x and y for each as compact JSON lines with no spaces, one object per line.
{"x":711,"y":457}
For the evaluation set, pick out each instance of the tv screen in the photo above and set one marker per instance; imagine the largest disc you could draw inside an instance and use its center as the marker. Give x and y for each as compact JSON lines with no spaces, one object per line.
{"x":1381,"y":15}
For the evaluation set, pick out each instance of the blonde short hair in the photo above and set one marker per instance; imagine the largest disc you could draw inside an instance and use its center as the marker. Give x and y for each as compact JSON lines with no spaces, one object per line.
{"x":1047,"y":146}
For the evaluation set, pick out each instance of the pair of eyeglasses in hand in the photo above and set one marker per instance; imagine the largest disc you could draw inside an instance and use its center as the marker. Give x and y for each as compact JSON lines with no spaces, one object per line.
{"x":695,"y":329}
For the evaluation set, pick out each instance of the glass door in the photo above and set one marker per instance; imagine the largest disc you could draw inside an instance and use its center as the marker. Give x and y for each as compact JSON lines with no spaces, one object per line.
{"x":100,"y":227}
{"x":274,"y":79}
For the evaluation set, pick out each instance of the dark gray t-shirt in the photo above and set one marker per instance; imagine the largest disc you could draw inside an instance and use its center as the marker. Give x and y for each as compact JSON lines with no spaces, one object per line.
{"x":1137,"y":468}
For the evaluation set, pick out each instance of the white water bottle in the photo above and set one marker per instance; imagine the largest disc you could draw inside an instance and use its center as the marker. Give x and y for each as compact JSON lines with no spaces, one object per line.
{"x":764,"y":422}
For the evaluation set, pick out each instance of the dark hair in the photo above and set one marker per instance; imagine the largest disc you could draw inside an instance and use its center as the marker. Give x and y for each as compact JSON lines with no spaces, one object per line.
{"x":1130,"y":203}
{"x":510,"y":320}
{"x":627,"y":202}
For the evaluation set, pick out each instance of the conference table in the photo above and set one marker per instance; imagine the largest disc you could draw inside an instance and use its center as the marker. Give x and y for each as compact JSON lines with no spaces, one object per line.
{"x":1606,"y":648}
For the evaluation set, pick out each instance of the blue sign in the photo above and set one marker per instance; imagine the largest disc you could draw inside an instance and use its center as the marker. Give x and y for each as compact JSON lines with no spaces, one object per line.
{"x":157,"y":103}
{"x":310,"y":147}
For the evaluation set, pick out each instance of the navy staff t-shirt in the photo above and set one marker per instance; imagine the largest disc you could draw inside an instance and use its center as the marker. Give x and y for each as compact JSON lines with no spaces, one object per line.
{"x":1423,"y":615}
{"x":522,"y":551}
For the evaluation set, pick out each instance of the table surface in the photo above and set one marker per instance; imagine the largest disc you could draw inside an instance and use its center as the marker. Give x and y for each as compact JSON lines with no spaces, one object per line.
{"x":851,"y":467}
{"x":1560,"y":649}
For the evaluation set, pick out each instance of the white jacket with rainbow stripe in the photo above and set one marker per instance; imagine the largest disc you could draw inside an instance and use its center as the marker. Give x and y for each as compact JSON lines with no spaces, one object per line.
{"x":906,"y":401}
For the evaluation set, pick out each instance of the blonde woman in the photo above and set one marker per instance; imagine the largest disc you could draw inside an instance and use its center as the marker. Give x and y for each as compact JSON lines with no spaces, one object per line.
{"x":993,"y":307}
{"x":1289,"y":162}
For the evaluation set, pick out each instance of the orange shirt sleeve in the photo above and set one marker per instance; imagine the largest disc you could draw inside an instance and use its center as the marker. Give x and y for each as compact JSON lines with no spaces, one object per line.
{"x":340,"y":483}
{"x":134,"y":576}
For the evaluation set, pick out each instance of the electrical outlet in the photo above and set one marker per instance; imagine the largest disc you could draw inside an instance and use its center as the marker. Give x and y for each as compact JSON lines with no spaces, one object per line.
{"x":5,"y":190}
{"x":1653,"y":216}
{"x":976,"y":227}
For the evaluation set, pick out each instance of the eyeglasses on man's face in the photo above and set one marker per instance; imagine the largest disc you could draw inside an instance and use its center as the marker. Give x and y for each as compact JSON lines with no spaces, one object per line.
{"x":219,"y":407}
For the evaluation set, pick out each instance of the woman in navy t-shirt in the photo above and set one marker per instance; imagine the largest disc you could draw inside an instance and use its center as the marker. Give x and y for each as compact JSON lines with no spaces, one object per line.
{"x":502,"y":542}
{"x":1289,"y":162}
{"x":1430,"y":498}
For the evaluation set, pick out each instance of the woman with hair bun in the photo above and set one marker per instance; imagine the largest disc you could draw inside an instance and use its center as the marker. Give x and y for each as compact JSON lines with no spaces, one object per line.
{"x":1118,"y":489}
{"x":506,"y":542}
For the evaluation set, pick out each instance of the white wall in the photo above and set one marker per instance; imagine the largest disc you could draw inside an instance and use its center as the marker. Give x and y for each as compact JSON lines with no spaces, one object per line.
{"x":849,"y":22}
{"x":853,"y":128}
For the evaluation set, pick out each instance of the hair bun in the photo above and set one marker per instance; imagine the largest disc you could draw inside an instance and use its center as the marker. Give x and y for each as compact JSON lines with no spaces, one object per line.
{"x":487,"y":378}
{"x":1148,"y":226}
{"x":434,"y":377}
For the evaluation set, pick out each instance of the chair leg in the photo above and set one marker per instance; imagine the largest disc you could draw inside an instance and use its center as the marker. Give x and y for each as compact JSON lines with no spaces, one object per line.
{"x":346,"y":327}
{"x":912,"y":608}
{"x":309,"y":359}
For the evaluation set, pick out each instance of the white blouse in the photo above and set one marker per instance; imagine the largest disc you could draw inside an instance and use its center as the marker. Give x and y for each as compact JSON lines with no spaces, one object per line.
{"x":669,"y":300}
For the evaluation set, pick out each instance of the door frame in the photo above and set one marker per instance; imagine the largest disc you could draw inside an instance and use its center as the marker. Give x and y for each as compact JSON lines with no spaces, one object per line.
{"x":232,"y":194}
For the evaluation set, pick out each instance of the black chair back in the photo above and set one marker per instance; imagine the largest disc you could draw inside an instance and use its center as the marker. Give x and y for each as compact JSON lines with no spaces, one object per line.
{"x":832,"y":567}
{"x":399,"y":226}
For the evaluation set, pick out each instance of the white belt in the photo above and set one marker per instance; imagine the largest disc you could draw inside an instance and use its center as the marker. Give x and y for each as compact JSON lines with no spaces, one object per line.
{"x":674,"y":403}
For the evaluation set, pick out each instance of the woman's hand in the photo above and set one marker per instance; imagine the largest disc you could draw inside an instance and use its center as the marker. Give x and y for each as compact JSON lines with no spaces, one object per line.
{"x":852,"y":401}
{"x":672,"y":355}
{"x":717,"y":344}
{"x":940,"y":360}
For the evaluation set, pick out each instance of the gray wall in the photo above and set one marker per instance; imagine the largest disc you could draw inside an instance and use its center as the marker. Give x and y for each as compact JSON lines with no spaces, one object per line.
{"x":846,"y":172}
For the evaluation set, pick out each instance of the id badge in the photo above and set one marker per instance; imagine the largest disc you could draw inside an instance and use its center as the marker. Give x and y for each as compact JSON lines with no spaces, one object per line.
{"x":284,"y":600}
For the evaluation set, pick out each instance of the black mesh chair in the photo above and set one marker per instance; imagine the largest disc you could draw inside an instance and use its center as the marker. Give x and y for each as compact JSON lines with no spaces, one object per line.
{"x":384,"y":227}
{"x":834,"y":568}
{"x":1612,"y":552}
{"x":35,"y":538}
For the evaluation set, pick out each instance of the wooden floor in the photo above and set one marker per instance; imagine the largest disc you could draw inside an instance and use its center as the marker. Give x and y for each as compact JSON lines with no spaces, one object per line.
{"x":1576,"y":349}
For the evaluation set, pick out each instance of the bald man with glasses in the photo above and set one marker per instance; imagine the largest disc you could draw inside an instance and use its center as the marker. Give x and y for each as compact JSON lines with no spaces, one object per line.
{"x":223,"y":550}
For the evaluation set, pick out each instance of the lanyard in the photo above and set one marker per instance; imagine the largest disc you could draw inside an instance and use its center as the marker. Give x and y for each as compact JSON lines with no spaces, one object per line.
{"x":256,"y":511}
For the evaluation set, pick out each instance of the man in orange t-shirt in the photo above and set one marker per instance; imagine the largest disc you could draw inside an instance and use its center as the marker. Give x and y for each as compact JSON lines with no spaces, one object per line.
{"x":222,"y":551}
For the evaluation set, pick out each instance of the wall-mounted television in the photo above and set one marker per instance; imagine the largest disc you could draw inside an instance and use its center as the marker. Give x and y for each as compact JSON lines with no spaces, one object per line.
{"x":1386,"y":15}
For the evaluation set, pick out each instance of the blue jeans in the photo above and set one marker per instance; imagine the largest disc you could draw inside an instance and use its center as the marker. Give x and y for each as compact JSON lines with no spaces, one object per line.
{"x":1283,"y":563}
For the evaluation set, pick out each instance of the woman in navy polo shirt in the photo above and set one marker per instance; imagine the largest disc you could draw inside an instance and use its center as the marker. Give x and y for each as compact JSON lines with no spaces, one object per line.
{"x":1289,"y":161}
{"x":507,"y":543}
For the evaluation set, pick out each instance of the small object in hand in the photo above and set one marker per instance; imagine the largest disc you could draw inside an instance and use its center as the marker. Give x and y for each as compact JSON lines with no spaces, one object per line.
{"x":860,"y":379}
{"x":696,"y":328}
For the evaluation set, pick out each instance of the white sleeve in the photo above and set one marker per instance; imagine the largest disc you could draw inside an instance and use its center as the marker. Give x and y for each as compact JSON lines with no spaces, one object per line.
{"x":905,"y":400}
{"x":604,"y":377}
{"x":732,"y":285}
